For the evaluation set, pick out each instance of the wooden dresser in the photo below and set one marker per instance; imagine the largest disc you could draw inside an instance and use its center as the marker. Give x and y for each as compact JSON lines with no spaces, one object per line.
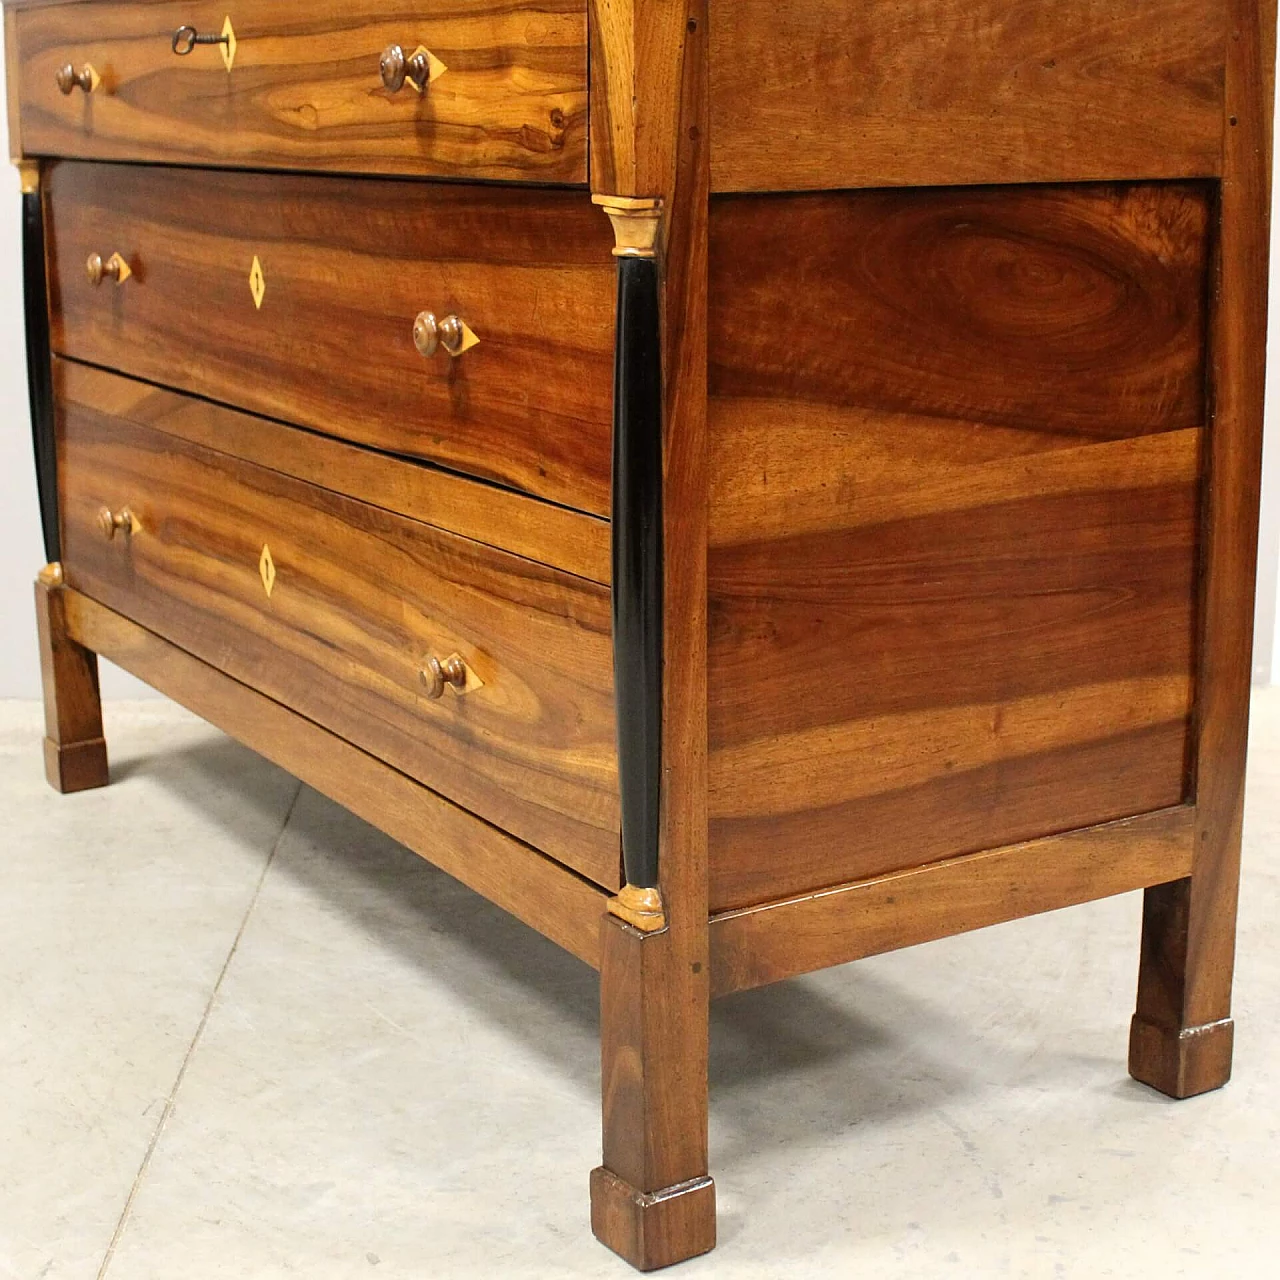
{"x":742,"y":485}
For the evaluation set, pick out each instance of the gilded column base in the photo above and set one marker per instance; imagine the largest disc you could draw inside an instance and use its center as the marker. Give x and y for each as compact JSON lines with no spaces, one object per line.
{"x":636,"y":224}
{"x":640,"y":908}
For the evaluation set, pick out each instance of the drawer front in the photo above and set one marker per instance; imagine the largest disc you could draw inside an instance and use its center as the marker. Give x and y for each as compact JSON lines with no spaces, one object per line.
{"x":335,"y":608}
{"x":506,"y":99}
{"x":326,"y":339}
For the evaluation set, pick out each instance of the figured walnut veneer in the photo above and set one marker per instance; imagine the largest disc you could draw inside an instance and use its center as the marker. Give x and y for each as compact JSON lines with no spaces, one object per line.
{"x":954,"y":522}
{"x":305,"y":90}
{"x":813,"y":94}
{"x":360,"y":598}
{"x":348,"y":267}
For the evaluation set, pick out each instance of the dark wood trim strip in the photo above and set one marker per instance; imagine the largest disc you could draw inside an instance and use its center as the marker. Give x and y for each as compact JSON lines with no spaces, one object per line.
{"x":546,"y":896}
{"x":758,"y":945}
{"x":637,"y":565}
{"x":40,"y":369}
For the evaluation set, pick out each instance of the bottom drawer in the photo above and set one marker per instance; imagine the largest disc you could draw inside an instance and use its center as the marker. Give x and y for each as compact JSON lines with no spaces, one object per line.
{"x":340,"y":608}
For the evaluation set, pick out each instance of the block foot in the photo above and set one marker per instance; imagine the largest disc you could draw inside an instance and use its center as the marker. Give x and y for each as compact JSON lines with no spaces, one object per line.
{"x":77,"y":766}
{"x":656,"y":1229}
{"x":75,"y":755}
{"x":1181,"y":1062}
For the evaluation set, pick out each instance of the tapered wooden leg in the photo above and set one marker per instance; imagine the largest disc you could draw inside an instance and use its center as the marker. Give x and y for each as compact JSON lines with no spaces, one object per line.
{"x":75,"y":754}
{"x":1181,"y":1038}
{"x":1182,"y":1033}
{"x":652,"y":1201}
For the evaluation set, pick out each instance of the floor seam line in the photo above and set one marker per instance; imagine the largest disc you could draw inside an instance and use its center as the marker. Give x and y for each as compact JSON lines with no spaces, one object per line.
{"x":163,"y":1122}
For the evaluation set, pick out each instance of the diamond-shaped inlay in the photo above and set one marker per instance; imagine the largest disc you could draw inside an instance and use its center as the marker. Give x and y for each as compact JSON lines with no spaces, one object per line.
{"x":257,"y":282}
{"x":469,"y":339}
{"x":267,"y":568}
{"x":120,"y":267}
{"x":435,"y":68}
{"x":228,"y":45}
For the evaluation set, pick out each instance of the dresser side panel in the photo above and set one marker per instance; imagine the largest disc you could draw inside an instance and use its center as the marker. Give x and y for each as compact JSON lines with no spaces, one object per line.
{"x":812,"y":94}
{"x":956,"y":443}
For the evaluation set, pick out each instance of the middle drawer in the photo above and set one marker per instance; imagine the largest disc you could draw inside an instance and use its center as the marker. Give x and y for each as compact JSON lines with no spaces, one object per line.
{"x":299,"y":297}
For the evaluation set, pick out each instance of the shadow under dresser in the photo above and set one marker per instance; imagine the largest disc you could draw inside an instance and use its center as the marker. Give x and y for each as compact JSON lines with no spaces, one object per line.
{"x":744,"y":487}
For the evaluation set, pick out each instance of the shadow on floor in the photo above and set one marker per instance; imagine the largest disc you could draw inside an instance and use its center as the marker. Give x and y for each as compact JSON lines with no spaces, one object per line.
{"x":822,"y":1040}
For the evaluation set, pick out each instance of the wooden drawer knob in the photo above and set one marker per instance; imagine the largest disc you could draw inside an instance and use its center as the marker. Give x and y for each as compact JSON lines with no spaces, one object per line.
{"x":430,"y":334}
{"x":110,"y":521}
{"x":69,"y":79}
{"x":436,"y":674}
{"x":114,"y":268}
{"x":396,"y":69}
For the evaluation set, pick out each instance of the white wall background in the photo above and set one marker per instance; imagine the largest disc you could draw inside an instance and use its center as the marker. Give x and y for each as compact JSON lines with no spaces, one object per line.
{"x":21,"y":554}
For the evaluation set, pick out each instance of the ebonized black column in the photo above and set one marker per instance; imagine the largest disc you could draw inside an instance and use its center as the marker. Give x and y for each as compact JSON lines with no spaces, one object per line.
{"x":40,"y":369}
{"x":637,"y":564}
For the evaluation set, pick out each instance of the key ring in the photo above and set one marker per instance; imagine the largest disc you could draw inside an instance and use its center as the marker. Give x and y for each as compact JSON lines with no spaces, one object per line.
{"x":186,"y":38}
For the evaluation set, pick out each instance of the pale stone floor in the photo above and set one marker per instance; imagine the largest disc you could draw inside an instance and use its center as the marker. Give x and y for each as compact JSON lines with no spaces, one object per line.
{"x":244,"y":1035}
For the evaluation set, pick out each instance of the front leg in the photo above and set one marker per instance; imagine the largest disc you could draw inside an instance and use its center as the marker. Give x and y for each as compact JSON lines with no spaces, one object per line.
{"x":75,"y":753}
{"x":652,"y":1200}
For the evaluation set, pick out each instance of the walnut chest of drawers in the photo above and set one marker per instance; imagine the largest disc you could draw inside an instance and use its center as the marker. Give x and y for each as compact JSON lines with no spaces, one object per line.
{"x":744,"y":486}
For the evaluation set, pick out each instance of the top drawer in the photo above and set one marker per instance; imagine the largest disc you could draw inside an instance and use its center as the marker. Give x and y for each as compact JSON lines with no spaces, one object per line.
{"x":506,"y":98}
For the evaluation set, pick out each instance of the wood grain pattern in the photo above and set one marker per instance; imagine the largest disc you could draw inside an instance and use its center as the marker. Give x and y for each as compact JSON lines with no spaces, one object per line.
{"x":758,"y":945}
{"x":973,"y":602}
{"x":361,"y":598}
{"x":809,"y":94}
{"x":547,"y":897}
{"x":75,"y":753}
{"x":552,"y":535}
{"x":640,"y":54}
{"x":1181,"y":1037}
{"x":348,"y":267}
{"x":305,"y":90}
{"x":655,"y":986}
{"x":1073,"y":309}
